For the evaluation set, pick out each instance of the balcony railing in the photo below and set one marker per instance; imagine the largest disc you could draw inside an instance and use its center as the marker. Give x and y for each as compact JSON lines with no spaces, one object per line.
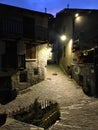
{"x":22,"y":29}
{"x":10,"y":27}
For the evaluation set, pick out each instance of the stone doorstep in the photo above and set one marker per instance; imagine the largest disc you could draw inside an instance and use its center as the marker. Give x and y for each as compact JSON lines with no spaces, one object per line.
{"x":12,"y":122}
{"x":25,"y":90}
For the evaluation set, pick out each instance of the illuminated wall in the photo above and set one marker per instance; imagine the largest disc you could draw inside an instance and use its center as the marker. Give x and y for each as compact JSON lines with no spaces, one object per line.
{"x":83,"y":28}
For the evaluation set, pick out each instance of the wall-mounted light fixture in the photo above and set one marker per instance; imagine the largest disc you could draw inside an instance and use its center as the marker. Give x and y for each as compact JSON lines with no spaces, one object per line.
{"x":63,"y":37}
{"x":77,"y":18}
{"x":76,"y":15}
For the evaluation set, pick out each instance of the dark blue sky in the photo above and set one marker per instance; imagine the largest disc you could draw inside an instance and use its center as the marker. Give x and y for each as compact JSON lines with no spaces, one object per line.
{"x":53,"y":6}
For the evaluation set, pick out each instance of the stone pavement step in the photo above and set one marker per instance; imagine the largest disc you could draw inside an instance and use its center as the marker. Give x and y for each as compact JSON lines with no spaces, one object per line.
{"x":12,"y":124}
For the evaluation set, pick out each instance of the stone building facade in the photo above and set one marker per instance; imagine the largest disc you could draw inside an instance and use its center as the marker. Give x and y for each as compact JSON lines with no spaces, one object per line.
{"x":81,"y":29}
{"x":23,"y":47}
{"x":79,"y":51}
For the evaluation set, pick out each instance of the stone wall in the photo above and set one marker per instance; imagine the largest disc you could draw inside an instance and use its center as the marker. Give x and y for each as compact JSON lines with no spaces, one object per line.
{"x":42,"y":60}
{"x":35,"y":69}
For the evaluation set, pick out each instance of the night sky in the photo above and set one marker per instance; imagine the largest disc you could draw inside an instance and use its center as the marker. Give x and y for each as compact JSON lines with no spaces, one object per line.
{"x":53,"y":6}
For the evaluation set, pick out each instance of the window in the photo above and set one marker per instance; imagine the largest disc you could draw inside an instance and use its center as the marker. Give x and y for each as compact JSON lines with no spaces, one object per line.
{"x":23,"y":76}
{"x":30,"y":52}
{"x":21,"y":61}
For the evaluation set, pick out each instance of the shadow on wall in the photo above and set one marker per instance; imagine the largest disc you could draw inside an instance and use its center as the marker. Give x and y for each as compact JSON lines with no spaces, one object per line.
{"x":7,"y":94}
{"x":3,"y":118}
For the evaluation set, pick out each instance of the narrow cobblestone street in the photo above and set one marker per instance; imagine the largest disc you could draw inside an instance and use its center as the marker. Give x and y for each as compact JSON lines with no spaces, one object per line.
{"x":78,"y":111}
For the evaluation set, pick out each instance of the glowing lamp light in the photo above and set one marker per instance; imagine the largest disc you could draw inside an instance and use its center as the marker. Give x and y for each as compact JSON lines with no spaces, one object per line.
{"x":76,"y":15}
{"x":63,"y":37}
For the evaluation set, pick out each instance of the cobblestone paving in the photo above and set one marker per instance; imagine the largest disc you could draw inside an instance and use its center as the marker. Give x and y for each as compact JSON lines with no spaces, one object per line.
{"x":78,"y":117}
{"x":16,"y":125}
{"x":78,"y":111}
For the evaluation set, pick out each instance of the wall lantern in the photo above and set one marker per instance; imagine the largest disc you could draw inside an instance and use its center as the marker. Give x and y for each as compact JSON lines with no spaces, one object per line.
{"x":63,"y":37}
{"x":76,"y":15}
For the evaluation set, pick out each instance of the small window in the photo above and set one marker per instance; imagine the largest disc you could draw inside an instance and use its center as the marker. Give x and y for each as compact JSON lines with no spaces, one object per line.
{"x":21,"y":61}
{"x":30,"y":52}
{"x":23,"y":76}
{"x":35,"y":71}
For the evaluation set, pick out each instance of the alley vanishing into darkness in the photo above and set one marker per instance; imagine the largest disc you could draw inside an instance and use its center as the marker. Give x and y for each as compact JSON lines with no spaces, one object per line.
{"x":78,"y":111}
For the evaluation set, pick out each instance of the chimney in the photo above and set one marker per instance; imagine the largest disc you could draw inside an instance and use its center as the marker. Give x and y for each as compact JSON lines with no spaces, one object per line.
{"x":68,"y":6}
{"x":45,"y":10}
